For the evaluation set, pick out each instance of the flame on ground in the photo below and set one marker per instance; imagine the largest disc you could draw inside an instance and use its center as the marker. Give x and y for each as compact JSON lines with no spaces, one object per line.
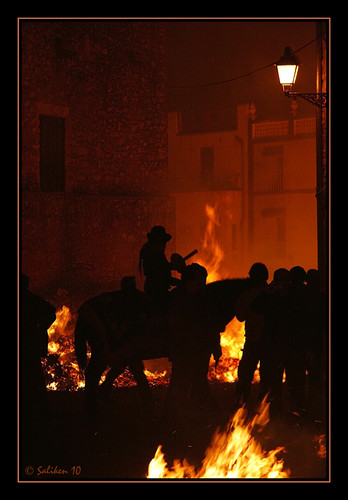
{"x":232,"y":453}
{"x":61,"y":368}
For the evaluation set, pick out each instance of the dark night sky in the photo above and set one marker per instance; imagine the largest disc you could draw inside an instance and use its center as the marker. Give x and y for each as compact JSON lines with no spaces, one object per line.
{"x":205,"y":51}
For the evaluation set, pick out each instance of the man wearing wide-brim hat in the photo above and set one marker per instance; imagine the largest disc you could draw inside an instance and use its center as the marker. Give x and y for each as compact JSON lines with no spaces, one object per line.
{"x":158,"y":233}
{"x":154,"y":264}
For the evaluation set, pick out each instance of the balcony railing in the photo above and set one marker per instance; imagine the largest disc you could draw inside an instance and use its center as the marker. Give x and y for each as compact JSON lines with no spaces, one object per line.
{"x":282,"y":128}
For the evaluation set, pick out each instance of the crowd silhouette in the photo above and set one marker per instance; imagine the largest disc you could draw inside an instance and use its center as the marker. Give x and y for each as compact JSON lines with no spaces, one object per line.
{"x":285,"y":328}
{"x":285,"y":332}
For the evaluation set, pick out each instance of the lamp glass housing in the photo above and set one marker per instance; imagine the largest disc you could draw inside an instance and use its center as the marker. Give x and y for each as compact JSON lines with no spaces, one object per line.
{"x":287,"y":74}
{"x":287,"y":67}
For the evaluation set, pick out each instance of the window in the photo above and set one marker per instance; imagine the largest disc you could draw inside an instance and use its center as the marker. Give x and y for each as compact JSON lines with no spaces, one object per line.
{"x":207,"y":167}
{"x":52,"y":153}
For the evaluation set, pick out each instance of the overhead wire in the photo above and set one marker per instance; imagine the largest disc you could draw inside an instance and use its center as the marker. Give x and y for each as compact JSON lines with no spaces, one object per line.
{"x":239,"y":77}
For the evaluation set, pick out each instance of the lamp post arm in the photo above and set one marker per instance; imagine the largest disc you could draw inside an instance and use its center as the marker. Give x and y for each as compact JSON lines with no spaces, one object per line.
{"x":318,"y":99}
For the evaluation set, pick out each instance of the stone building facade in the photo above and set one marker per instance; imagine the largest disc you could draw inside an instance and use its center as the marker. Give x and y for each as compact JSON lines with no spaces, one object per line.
{"x":93,"y":150}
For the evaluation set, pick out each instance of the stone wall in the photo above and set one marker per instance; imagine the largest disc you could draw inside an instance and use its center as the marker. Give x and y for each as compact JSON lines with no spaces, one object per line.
{"x":107,"y":80}
{"x":81,"y":245}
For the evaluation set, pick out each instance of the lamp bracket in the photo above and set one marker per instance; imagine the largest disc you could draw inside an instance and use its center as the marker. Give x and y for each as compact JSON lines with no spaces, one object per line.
{"x":318,"y":99}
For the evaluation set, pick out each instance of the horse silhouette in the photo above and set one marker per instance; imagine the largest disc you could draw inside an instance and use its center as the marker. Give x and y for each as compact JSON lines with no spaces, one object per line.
{"x":123,"y":329}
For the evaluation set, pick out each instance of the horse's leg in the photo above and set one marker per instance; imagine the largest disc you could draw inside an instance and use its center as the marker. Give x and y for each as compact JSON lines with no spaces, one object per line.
{"x":131,"y":354}
{"x":136,"y":367}
{"x":118,"y":363}
{"x":112,"y":374}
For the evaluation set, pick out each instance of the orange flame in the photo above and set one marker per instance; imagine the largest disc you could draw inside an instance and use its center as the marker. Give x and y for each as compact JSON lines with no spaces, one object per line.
{"x":232,"y":453}
{"x":232,"y":339}
{"x":212,"y":254}
{"x":61,"y":368}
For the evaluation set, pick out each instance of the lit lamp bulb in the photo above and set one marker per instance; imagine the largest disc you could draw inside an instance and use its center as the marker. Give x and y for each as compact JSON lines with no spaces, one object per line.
{"x":287,"y":67}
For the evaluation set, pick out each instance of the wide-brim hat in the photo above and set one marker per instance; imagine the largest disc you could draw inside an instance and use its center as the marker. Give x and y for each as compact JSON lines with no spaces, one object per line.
{"x":159,"y":233}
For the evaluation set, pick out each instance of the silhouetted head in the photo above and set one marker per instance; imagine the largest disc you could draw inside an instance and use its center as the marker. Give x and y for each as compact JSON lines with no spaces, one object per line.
{"x":298,"y":275}
{"x":258,"y":273}
{"x":158,"y":233}
{"x":281,"y":275}
{"x":281,"y":281}
{"x":194,"y":277}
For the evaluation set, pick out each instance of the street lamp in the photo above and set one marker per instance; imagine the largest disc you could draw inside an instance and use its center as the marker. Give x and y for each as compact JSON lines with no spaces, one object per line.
{"x":287,"y":67}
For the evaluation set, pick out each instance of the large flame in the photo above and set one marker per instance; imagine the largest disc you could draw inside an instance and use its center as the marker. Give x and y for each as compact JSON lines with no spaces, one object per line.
{"x":232,"y":453}
{"x":212,"y":254}
{"x":232,"y":339}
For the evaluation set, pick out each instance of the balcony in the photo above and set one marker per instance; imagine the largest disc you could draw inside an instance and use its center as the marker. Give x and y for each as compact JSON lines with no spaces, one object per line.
{"x":301,"y":126}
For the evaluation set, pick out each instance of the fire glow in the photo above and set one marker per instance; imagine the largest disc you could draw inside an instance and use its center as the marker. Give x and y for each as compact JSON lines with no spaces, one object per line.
{"x":61,"y":368}
{"x":232,"y":339}
{"x":232,"y":453}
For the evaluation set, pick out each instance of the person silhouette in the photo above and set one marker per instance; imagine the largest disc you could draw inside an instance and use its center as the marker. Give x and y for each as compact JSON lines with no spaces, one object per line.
{"x":107,"y":322}
{"x":298,"y":342}
{"x":154,"y":265}
{"x":37,"y":315}
{"x":194,"y":334}
{"x":254,"y":329}
{"x":274,"y":303}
